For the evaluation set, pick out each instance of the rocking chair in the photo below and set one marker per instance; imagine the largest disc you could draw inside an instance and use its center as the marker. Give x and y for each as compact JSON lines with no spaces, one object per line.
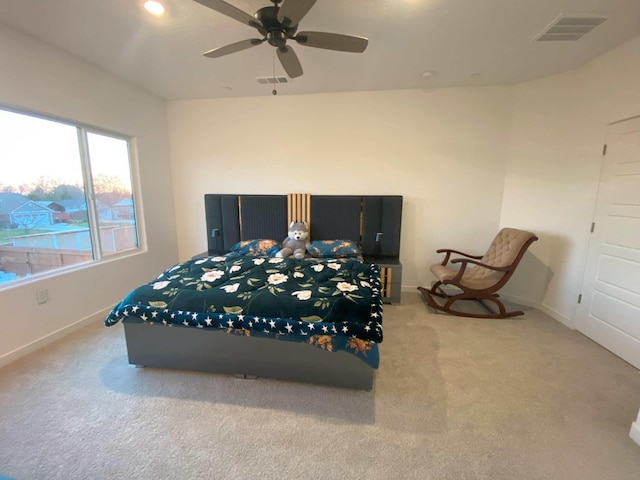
{"x":480,"y":277}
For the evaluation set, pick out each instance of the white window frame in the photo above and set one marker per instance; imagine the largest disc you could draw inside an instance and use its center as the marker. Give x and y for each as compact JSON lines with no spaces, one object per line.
{"x":92,"y":210}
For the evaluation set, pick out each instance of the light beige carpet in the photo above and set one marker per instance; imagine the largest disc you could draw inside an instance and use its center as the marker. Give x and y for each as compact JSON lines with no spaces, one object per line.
{"x":454,"y":398}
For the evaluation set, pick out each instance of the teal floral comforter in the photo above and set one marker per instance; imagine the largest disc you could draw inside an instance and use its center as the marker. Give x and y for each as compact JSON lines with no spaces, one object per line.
{"x":334,"y":304}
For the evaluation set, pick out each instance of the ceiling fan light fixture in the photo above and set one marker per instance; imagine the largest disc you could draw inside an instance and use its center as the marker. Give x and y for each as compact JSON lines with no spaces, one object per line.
{"x":154,"y":8}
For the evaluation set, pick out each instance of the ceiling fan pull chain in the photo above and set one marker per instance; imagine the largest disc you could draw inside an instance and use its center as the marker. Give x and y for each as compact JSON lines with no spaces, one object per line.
{"x":274,"y":91}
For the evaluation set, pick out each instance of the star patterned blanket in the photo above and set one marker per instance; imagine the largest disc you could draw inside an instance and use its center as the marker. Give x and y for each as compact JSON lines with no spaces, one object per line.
{"x":334,"y":304}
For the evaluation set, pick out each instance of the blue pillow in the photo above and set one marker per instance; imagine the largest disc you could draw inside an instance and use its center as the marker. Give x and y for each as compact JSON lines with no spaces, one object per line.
{"x":334,"y":249}
{"x":254,"y":248}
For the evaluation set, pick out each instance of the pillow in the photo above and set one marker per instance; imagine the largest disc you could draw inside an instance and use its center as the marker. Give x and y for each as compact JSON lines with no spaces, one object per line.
{"x":254,"y":248}
{"x":334,"y":248}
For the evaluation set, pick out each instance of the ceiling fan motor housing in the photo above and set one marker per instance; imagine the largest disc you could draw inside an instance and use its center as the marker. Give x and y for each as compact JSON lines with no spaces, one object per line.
{"x":276,"y":32}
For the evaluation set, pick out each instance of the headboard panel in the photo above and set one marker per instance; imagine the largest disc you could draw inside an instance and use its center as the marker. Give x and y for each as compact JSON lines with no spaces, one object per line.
{"x":335,"y":217}
{"x":381,"y":225}
{"x":223,"y":222}
{"x":263,"y":216}
{"x":374,"y":221}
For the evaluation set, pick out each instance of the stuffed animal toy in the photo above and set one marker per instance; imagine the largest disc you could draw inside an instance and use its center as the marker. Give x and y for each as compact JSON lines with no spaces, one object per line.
{"x":296,"y":242}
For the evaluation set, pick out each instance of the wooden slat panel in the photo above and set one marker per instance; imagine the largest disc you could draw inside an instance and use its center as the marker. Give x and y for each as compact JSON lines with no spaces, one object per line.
{"x":385,"y":280}
{"x":298,"y":207}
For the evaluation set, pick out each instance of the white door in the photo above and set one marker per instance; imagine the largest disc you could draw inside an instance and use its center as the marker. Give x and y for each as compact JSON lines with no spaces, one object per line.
{"x":610,"y":309}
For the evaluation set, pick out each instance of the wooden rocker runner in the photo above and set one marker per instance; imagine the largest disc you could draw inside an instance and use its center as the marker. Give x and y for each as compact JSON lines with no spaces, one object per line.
{"x":480,"y":277}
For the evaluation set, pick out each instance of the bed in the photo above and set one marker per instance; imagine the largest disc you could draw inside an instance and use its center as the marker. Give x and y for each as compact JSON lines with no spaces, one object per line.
{"x":238,"y":309}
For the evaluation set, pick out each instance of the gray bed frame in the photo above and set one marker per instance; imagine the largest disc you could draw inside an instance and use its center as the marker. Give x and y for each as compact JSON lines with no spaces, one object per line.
{"x":373,"y":221}
{"x":155,"y":345}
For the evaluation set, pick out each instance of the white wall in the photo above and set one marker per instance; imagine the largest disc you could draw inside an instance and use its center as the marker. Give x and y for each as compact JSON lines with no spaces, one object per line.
{"x":37,"y":77}
{"x":555,"y":155}
{"x":443,"y":150}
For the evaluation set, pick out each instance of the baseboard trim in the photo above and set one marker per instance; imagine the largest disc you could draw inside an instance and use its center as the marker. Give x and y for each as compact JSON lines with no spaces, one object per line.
{"x":50,"y":338}
{"x":539,"y":306}
{"x":634,"y":433}
{"x":566,"y":321}
{"x":520,"y":300}
{"x":524,"y":302}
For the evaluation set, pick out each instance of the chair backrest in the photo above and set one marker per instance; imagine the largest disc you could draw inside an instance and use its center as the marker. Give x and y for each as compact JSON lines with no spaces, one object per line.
{"x":505,"y":247}
{"x":506,"y":250}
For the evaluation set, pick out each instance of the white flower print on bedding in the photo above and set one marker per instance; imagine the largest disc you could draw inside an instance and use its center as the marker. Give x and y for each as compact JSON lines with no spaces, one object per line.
{"x":159,"y":285}
{"x":346,"y":287}
{"x":302,"y":294}
{"x":277,"y":278}
{"x":231,"y":288}
{"x":211,"y":275}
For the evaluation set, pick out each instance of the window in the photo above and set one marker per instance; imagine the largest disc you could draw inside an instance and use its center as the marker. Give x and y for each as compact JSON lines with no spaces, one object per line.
{"x":66,"y":195}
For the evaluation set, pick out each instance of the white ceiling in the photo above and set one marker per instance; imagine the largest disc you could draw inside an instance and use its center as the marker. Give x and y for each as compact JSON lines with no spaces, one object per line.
{"x":465,"y":42}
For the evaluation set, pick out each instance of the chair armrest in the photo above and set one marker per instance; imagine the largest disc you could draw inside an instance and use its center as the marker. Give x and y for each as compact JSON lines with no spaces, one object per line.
{"x":465,"y":261}
{"x":449,"y":251}
{"x":463,"y":266}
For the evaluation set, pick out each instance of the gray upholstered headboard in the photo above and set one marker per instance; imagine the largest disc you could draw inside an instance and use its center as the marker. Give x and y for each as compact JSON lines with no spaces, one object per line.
{"x":374,"y":221}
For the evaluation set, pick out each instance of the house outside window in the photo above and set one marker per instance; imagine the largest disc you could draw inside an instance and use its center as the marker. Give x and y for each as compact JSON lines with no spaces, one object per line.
{"x":66,"y":196}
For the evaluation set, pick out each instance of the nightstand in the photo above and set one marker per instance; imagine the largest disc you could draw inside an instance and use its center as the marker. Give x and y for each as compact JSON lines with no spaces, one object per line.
{"x":390,"y":277}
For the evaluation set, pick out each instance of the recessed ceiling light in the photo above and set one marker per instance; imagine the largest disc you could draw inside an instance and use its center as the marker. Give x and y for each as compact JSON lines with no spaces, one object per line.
{"x":153,"y":7}
{"x":427,"y":74}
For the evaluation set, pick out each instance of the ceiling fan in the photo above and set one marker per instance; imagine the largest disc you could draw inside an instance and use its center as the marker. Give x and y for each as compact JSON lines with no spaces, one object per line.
{"x":277,"y":24}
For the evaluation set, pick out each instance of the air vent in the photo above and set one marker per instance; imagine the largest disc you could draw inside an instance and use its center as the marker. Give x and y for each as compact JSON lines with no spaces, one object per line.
{"x":570,"y":28}
{"x":267,"y":80}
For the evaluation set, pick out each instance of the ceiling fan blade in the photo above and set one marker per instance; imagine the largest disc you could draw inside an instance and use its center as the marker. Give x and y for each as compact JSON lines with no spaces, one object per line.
{"x":289,"y":61}
{"x":332,"y":41}
{"x":234,"y":47}
{"x":292,"y":11}
{"x":230,"y":11}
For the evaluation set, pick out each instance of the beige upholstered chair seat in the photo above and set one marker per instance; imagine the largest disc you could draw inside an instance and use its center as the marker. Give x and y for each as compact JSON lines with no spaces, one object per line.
{"x":476,"y":278}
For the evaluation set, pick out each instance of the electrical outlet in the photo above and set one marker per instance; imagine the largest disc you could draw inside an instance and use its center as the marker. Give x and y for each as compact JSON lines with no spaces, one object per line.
{"x":42,"y":296}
